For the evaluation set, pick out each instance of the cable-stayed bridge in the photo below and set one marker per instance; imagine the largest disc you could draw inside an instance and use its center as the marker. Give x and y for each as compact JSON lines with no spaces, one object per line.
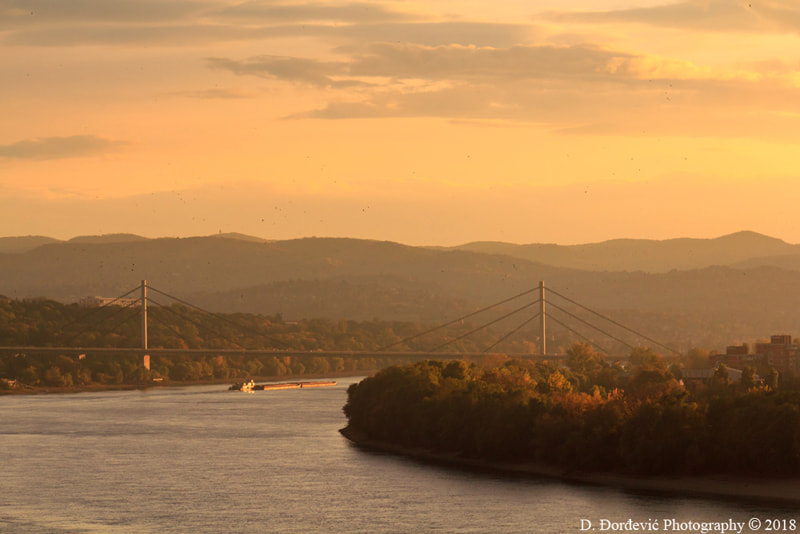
{"x":542,"y":305}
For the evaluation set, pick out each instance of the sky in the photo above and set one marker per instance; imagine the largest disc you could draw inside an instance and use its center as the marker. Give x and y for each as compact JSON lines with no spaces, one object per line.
{"x":428,"y":122}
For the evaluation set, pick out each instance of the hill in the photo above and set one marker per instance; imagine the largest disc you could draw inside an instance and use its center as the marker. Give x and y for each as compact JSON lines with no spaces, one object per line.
{"x":646,"y":255}
{"x":108,"y":238}
{"x":16,"y":245}
{"x":360,"y":279}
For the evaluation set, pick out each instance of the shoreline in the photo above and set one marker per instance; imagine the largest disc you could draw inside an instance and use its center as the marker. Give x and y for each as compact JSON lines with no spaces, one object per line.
{"x":94,"y":388}
{"x":769,"y":491}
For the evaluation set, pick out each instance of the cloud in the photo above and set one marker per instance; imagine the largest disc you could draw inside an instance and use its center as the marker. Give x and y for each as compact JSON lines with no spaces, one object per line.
{"x":120,"y":34}
{"x":485,"y":64}
{"x":711,"y":15}
{"x":580,"y":89}
{"x":252,"y":12}
{"x":299,"y":70}
{"x":583,"y":63}
{"x":449,"y":63}
{"x":211,"y":94}
{"x":271,"y":12}
{"x":726,"y":109}
{"x":187,"y":23}
{"x":59,"y":147}
{"x":207,"y":32}
{"x":437,"y":33}
{"x":28,"y":12}
{"x":530,"y":101}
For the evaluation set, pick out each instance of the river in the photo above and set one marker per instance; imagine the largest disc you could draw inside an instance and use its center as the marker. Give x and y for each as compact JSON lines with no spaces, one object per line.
{"x":206,"y":460}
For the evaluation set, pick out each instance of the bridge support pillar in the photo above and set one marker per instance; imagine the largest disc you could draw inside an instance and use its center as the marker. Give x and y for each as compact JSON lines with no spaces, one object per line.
{"x":542,"y":325}
{"x":144,"y":314}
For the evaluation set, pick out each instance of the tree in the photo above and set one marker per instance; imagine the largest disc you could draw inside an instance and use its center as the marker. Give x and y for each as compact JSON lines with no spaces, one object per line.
{"x":721,"y":373}
{"x":748,"y":377}
{"x":558,"y":383}
{"x":720,"y":381}
{"x":772,"y":378}
{"x":582,"y":359}
{"x":645,"y":357}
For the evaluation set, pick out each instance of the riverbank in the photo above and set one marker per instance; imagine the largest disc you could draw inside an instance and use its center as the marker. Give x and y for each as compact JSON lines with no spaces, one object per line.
{"x":23,"y":389}
{"x":781,"y":491}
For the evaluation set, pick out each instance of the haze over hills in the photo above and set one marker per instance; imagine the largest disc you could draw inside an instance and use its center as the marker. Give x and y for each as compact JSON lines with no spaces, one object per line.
{"x":359,"y":279}
{"x":107,"y":238}
{"x":647,"y":255}
{"x":741,"y":249}
{"x":16,"y":245}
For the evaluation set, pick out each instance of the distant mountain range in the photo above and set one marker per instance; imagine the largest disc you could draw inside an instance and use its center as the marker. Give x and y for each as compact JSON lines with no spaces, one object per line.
{"x":707,"y":292}
{"x":741,"y":249}
{"x":651,"y":256}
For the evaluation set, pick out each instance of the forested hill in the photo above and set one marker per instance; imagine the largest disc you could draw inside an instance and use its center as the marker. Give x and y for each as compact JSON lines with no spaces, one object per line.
{"x":362,"y":280}
{"x":747,"y":248}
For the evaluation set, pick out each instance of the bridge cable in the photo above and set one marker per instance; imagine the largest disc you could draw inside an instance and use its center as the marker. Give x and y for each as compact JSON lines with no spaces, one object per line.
{"x":587,"y":323}
{"x":514,"y":331}
{"x":172,"y":327}
{"x":131,"y":317}
{"x":196,"y":323}
{"x":97,"y":309}
{"x":651,"y":340}
{"x":490,"y":323}
{"x":454,"y":321}
{"x":96,"y":324}
{"x":601,"y":349}
{"x":220,"y":317}
{"x":104,"y":332}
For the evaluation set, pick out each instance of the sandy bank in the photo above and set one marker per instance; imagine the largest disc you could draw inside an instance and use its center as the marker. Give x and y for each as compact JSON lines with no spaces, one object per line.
{"x":779,"y":491}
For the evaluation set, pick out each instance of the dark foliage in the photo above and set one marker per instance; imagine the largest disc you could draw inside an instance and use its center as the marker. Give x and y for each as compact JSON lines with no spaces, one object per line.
{"x":592,"y":416}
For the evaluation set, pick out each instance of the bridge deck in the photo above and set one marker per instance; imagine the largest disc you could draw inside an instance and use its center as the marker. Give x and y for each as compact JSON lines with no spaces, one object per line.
{"x":260,"y":352}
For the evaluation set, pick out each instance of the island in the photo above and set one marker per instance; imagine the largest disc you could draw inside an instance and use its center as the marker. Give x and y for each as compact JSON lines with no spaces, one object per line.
{"x":636,"y":425}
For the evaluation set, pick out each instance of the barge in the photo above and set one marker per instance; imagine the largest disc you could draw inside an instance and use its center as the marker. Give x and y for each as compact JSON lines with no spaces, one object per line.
{"x":252,"y":386}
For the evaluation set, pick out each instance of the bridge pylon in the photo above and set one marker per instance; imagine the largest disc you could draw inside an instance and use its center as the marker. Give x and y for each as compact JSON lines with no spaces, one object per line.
{"x":542,"y":324}
{"x":146,"y":358}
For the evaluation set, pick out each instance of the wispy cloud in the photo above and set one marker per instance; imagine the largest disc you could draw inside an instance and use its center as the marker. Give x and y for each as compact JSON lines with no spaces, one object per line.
{"x":300,"y":70}
{"x":30,"y":12}
{"x":187,"y":23}
{"x":211,"y":94}
{"x":481,"y":65}
{"x":574,"y":89}
{"x":397,"y":62}
{"x":59,"y":147}
{"x":362,"y":12}
{"x":198,"y":33}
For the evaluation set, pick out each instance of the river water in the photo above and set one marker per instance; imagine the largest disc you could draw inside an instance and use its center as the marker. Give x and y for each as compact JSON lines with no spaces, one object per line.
{"x":206,"y":460}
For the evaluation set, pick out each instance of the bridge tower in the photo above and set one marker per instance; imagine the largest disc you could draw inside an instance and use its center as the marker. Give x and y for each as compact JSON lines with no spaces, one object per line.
{"x":542,"y":318}
{"x":146,"y":359}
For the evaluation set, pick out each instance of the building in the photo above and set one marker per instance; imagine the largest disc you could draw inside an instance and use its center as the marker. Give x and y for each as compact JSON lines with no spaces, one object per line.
{"x":694,"y":378}
{"x":738,"y":357}
{"x":780,"y":353}
{"x":109,"y":301}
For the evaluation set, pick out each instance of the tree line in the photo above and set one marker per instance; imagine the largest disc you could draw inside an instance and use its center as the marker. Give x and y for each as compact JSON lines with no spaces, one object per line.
{"x":66,"y":371}
{"x":48,"y":323}
{"x":589,"y":416}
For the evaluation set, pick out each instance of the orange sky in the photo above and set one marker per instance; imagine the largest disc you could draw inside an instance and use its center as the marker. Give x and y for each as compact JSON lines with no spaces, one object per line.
{"x":424,"y":122}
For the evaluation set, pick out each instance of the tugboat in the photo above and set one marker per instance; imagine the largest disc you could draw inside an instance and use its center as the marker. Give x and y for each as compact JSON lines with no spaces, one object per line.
{"x":243,"y":386}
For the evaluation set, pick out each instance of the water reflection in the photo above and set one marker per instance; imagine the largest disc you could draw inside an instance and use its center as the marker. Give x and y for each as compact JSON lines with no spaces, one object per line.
{"x":203,"y":459}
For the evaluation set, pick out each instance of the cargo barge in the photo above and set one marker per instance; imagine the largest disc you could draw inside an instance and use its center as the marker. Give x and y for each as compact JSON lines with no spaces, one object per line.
{"x":250,"y":386}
